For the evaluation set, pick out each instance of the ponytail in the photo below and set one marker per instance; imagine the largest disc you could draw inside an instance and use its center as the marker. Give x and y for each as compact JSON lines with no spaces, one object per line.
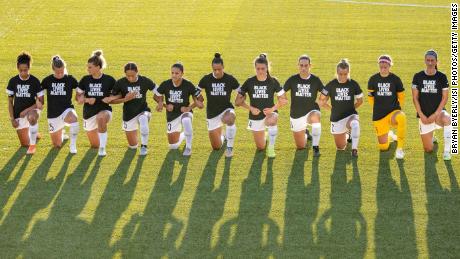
{"x":97,"y":59}
{"x":262,"y":59}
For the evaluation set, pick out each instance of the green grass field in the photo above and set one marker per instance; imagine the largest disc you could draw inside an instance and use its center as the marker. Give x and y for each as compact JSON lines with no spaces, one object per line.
{"x":54,"y":205}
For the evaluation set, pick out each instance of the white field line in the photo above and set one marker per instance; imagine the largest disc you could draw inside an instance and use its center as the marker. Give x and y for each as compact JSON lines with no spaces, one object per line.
{"x":388,"y":4}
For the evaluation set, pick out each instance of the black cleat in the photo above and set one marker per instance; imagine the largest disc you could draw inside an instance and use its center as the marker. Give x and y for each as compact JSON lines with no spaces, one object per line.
{"x":316,"y":152}
{"x":354,"y":153}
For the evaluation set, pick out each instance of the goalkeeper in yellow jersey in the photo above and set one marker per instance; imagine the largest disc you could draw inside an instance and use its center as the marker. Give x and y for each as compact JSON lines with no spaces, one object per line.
{"x":386,"y":96}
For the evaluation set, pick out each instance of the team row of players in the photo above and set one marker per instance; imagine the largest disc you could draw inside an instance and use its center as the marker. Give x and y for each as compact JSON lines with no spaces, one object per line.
{"x":343,"y":95}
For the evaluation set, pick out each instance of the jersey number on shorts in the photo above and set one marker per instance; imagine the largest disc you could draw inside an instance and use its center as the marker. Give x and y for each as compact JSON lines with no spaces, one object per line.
{"x":51,"y":127}
{"x":125,"y":125}
{"x":169,"y":126}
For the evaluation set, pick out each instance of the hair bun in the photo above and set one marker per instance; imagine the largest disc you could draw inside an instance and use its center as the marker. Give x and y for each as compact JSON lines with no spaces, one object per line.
{"x":98,"y":53}
{"x":217,"y":55}
{"x":57,"y":57}
{"x":263,"y":55}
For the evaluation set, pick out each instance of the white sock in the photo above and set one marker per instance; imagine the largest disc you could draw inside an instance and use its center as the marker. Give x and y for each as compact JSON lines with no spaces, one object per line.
{"x":33,"y":131}
{"x":144,"y":128}
{"x":230,"y":133}
{"x":176,"y":145}
{"x":102,"y":139}
{"x":272,"y":133}
{"x":74,"y":128}
{"x":316,"y":133}
{"x":355,"y":132}
{"x":188,"y":131}
{"x":447,"y":138}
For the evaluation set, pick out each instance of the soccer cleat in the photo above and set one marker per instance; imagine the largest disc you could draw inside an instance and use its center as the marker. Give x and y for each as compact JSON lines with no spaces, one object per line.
{"x":102,"y":151}
{"x":399,"y":153}
{"x":316,"y":152}
{"x":73,"y":149}
{"x":31,"y":150}
{"x":187,"y":152}
{"x":143,"y":151}
{"x":354,"y":153}
{"x":229,"y":152}
{"x":446,"y":156}
{"x":392,"y":136}
{"x":271,"y":151}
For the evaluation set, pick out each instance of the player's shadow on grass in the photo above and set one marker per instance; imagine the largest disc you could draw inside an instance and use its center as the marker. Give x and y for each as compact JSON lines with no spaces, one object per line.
{"x":117,"y":195}
{"x":153,"y":233}
{"x":302,"y":201}
{"x":342,"y":229}
{"x":443,"y":207}
{"x":207,"y":209}
{"x":252,"y":233}
{"x":394,"y":223}
{"x":63,"y":234}
{"x":7,"y":185}
{"x":36,"y":195}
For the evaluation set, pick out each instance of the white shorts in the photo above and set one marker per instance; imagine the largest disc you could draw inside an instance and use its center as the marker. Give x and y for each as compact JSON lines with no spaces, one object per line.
{"x":340,"y":126}
{"x":133,"y":124}
{"x":24,"y":122}
{"x":91,"y":123}
{"x":300,"y":124}
{"x":216,"y":122}
{"x":427,"y":128}
{"x":176,"y":124}
{"x":56,"y":124}
{"x":258,"y":125}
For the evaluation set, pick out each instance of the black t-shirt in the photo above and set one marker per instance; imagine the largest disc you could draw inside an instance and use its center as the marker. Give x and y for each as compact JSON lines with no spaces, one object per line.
{"x":261,"y":94}
{"x":342,"y":98}
{"x":304,"y":94}
{"x":178,"y":96}
{"x":24,"y":93}
{"x":218,"y":93}
{"x":96,"y":88}
{"x":137,"y":105}
{"x":385,"y":92}
{"x":59,"y":94}
{"x":430,"y":90}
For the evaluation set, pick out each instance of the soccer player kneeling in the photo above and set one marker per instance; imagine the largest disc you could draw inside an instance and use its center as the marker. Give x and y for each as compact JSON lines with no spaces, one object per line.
{"x":386,"y":95}
{"x":179,"y":111}
{"x":219,"y":110}
{"x":263,"y":112}
{"x":25,"y":102}
{"x":346,"y":96}
{"x":430,"y":92}
{"x":131,"y":90}
{"x":59,"y":87}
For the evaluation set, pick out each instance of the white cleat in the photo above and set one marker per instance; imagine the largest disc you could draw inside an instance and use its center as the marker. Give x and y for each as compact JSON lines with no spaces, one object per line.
{"x":399,"y":153}
{"x":143,"y":151}
{"x":102,"y":151}
{"x":187,"y":152}
{"x":229,"y":152}
{"x":446,"y":156}
{"x":73,"y":149}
